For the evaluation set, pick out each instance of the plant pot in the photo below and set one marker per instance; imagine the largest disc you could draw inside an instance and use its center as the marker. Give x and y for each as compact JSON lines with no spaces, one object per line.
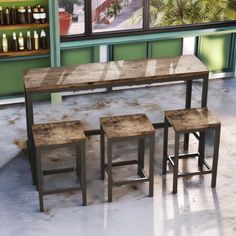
{"x":65,"y":20}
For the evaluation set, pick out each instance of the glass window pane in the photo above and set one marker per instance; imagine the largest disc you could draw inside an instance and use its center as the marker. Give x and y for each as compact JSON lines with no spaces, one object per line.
{"x":184,"y":12}
{"x":114,"y":15}
{"x":71,"y":17}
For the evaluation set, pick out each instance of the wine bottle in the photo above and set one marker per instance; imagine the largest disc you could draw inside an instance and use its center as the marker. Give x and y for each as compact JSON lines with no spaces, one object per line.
{"x":21,"y":42}
{"x":29,"y":41}
{"x":36,"y":41}
{"x":14,"y":43}
{"x":4,"y":43}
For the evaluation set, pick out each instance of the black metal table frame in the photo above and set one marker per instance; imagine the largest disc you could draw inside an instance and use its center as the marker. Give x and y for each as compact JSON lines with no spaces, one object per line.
{"x":188,"y":98}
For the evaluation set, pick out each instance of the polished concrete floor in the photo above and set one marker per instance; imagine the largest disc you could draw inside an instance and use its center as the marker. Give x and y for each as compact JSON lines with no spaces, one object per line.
{"x":197,"y":209}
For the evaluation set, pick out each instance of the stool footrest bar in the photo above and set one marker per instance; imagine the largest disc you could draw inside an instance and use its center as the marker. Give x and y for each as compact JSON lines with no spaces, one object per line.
{"x":57,"y":171}
{"x":195,"y":173}
{"x":124,"y":182}
{"x":55,"y":191}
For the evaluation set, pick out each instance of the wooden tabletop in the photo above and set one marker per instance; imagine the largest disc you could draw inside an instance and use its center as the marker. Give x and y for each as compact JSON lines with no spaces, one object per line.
{"x":115,"y":73}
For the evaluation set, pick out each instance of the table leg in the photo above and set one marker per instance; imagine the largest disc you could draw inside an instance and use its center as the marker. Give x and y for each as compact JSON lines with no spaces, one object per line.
{"x":189,"y":85}
{"x":29,"y":122}
{"x":204,"y":92}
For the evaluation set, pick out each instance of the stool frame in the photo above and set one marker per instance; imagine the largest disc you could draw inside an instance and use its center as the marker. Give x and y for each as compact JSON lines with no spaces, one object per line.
{"x":107,"y":167}
{"x":200,"y":154}
{"x":80,"y":171}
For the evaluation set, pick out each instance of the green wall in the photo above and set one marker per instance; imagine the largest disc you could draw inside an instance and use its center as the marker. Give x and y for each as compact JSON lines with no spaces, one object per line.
{"x":161,"y":48}
{"x":11,"y":82}
{"x":166,"y":48}
{"x":215,"y":51}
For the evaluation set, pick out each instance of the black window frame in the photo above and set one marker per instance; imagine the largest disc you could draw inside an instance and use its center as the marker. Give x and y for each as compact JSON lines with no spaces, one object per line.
{"x":146,"y":29}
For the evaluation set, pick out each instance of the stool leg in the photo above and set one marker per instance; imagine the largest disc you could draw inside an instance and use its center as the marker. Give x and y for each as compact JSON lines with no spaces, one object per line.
{"x":165,"y":147}
{"x":151,"y":165}
{"x":141,"y":145}
{"x":39,"y":180}
{"x":188,"y":98}
{"x":176,"y":164}
{"x":83,"y":172}
{"x":109,"y":168}
{"x":102,"y":153}
{"x":201,"y":149}
{"x":215,"y":157}
{"x":78,"y":164}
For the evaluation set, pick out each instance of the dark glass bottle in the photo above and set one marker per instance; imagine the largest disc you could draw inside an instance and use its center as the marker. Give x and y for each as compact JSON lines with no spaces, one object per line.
{"x":7,"y":16}
{"x":1,"y":16}
{"x":43,"y":17}
{"x":36,"y":15}
{"x":21,"y":15}
{"x":29,"y":15}
{"x":14,"y":43}
{"x":43,"y":39}
{"x":13,"y":15}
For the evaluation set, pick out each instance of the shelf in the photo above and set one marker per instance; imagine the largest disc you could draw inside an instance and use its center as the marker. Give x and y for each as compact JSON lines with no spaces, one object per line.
{"x":24,"y":26}
{"x":24,"y":53}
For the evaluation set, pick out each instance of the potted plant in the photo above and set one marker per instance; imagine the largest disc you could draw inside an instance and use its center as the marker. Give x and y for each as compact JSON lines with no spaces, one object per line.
{"x":66,"y":8}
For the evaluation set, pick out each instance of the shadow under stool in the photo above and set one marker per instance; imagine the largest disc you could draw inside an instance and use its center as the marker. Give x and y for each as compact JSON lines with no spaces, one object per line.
{"x":125,"y":128}
{"x":196,"y":121}
{"x":55,"y":135}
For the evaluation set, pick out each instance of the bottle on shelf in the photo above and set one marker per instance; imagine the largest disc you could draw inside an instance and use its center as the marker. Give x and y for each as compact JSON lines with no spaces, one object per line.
{"x":36,"y":41}
{"x":22,"y":15}
{"x":7,"y":16}
{"x":29,"y":15}
{"x":21,"y":42}
{"x":1,"y":16}
{"x":13,"y":15}
{"x":4,"y":43}
{"x":29,"y":46}
{"x":36,"y":15}
{"x":43,"y":39}
{"x":43,"y":17}
{"x":14,"y":42}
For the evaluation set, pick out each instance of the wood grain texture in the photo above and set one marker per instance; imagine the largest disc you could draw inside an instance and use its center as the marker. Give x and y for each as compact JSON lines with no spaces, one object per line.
{"x":195,"y":119}
{"x":126,"y":126}
{"x":58,"y":133}
{"x":115,"y":73}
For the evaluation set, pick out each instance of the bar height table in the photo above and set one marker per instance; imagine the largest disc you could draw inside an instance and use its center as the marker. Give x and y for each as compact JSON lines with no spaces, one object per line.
{"x":112,"y":74}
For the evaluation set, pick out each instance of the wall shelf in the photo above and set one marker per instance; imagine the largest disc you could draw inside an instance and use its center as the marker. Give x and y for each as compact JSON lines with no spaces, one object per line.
{"x":24,"y":26}
{"x":24,"y":53}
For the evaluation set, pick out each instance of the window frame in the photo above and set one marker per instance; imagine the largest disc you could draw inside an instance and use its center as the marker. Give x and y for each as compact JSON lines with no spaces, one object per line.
{"x":146,"y":29}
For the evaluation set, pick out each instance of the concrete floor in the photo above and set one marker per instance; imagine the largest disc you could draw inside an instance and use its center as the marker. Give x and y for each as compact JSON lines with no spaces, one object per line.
{"x":195,"y":210}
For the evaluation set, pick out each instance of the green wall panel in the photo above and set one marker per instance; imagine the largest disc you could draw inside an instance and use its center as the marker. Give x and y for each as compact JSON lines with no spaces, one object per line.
{"x":77,"y":56}
{"x":129,"y":51}
{"x":166,"y":48}
{"x":215,"y":51}
{"x":11,"y":82}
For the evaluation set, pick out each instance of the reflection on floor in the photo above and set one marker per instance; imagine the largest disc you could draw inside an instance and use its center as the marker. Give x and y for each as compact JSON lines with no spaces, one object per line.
{"x":195,"y":210}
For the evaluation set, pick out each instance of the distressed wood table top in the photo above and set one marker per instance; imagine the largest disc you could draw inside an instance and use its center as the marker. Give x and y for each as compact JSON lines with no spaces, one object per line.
{"x":58,"y":133}
{"x":115,"y":73}
{"x":188,"y":120}
{"x":126,"y":126}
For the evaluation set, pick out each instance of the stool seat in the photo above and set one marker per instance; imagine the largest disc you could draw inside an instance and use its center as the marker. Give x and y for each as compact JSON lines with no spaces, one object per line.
{"x":191,"y":120}
{"x":58,"y":133}
{"x":126,"y":126}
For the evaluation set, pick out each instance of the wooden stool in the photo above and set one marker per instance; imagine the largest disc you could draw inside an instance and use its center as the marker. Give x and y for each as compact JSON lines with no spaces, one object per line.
{"x":191,"y":121}
{"x":127,"y":127}
{"x":59,"y":134}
